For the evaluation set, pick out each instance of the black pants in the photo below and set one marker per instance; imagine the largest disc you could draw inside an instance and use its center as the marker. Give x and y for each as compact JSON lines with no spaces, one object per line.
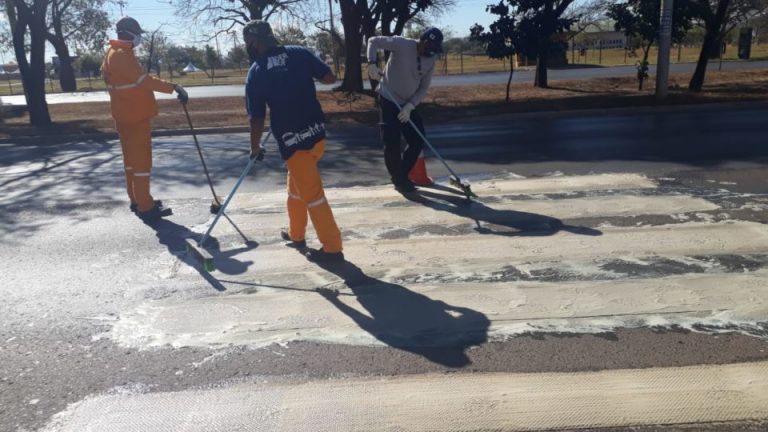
{"x":399,"y":163}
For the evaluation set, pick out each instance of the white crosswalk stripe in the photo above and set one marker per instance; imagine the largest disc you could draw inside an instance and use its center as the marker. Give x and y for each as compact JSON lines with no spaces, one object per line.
{"x":583,"y":254}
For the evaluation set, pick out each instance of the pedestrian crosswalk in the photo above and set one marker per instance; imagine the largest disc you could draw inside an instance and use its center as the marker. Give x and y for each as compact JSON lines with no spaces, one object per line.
{"x":563,"y":254}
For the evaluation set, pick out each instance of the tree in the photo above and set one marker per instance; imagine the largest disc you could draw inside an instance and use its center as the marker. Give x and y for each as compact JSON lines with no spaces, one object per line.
{"x":361,"y":20}
{"x":212,"y":60}
{"x":28,"y":19}
{"x":718,"y":18}
{"x":229,"y":12}
{"x":538,"y":22}
{"x":75,"y":21}
{"x":238,"y":56}
{"x":640,"y":21}
{"x":290,"y":35}
{"x":501,"y":39}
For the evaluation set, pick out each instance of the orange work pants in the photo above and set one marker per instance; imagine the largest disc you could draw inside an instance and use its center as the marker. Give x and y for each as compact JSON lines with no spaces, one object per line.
{"x":306,"y":196}
{"x":136,"y":141}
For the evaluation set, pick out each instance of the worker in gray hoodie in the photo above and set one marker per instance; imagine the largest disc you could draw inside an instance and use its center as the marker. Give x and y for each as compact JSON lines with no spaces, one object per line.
{"x":406,"y":79}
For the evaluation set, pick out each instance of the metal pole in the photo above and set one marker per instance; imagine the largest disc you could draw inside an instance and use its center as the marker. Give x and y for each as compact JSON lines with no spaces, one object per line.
{"x":665,"y":43}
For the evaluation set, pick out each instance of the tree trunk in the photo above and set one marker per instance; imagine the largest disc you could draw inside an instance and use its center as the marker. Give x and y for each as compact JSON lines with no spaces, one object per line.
{"x":353,"y":39}
{"x":541,"y":63}
{"x":713,"y":24}
{"x":641,"y":77}
{"x":511,"y":72}
{"x":66,"y":69}
{"x":32,"y":71}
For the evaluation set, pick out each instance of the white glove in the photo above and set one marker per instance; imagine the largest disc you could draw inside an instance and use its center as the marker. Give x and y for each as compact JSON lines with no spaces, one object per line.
{"x":374,"y":72}
{"x":405,"y":113}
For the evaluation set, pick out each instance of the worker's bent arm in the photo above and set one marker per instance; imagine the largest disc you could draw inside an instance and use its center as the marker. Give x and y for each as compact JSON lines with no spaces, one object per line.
{"x":329,"y":78}
{"x":388,"y":43}
{"x":257,"y":129}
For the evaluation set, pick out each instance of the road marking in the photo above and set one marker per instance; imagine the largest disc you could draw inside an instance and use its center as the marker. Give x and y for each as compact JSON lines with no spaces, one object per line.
{"x":540,"y":185}
{"x":374,"y":312}
{"x":462,"y":252}
{"x":371,"y":220}
{"x":455,"y":402}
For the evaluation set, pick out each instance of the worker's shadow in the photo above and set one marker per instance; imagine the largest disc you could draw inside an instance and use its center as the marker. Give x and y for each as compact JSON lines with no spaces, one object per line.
{"x":172,"y":236}
{"x":407,"y":320}
{"x":514,"y":223}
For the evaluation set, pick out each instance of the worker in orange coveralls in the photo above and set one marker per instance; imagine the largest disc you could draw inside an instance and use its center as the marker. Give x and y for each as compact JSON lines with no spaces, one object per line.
{"x":131,"y":92}
{"x":282,"y":77}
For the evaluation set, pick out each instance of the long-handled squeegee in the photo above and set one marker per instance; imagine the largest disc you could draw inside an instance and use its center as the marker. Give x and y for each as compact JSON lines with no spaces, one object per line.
{"x":196,"y":249}
{"x":455,"y":179}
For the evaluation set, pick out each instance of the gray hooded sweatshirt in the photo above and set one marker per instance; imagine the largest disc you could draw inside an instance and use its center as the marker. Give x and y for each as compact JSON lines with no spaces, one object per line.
{"x":407,"y":75}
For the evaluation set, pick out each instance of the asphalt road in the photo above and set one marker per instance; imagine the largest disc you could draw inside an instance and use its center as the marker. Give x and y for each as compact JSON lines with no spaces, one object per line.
{"x":659,"y":213}
{"x":451,"y":80}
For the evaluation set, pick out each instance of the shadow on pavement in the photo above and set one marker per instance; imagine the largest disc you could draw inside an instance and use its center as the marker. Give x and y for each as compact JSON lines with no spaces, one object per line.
{"x":407,"y":320}
{"x":519,"y":223}
{"x":172,"y":236}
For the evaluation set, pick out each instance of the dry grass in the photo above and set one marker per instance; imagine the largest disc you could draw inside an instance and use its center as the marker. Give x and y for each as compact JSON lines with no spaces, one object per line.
{"x":442,"y":104}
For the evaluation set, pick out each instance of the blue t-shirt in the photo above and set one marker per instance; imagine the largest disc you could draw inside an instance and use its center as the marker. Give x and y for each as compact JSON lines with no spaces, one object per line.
{"x":283,"y":79}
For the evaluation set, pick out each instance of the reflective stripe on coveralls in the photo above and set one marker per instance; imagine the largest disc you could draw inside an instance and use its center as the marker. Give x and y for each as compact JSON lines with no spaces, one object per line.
{"x":127,"y":86}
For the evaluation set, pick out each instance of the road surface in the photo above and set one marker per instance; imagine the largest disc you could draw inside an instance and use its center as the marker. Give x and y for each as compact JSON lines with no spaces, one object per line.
{"x":611,"y":276}
{"x":451,"y":80}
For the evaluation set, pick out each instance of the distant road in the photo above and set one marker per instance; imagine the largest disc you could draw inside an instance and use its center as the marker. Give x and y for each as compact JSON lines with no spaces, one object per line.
{"x":451,"y":80}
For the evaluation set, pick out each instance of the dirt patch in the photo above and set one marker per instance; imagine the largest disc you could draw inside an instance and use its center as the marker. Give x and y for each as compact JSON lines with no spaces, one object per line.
{"x":442,"y":104}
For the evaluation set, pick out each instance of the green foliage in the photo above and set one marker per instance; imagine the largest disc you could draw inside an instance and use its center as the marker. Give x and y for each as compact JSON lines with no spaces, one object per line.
{"x":89,"y":63}
{"x":237,"y":56}
{"x":212,"y":59}
{"x":502,"y":38}
{"x":289,"y":35}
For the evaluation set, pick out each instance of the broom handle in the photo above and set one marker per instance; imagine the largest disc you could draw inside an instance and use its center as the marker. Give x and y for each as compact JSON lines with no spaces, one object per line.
{"x":426,"y":141}
{"x":231,"y":195}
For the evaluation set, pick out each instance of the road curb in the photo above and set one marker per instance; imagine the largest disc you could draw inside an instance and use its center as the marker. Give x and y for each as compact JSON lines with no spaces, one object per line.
{"x":656,"y":109}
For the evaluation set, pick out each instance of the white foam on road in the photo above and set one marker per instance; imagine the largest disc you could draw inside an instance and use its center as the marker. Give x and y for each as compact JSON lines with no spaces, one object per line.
{"x":391,"y":314}
{"x":540,"y":185}
{"x":455,"y":402}
{"x":461,"y":253}
{"x":373,"y":221}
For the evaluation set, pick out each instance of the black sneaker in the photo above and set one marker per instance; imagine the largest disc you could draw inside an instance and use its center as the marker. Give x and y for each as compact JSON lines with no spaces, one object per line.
{"x":154,"y":214}
{"x":405,"y":186}
{"x":298,"y":244}
{"x":320,"y":256}
{"x":135,"y":207}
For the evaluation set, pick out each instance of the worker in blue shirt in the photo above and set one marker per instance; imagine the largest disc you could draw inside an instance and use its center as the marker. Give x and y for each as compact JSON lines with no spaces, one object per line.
{"x":282,"y":77}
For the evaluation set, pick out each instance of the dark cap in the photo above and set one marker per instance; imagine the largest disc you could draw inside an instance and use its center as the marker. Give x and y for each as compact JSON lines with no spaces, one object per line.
{"x":260,"y":31}
{"x":128,"y":24}
{"x":434,"y":38}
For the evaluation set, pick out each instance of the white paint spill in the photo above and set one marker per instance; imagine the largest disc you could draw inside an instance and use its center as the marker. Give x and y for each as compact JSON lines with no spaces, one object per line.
{"x":453,"y":402}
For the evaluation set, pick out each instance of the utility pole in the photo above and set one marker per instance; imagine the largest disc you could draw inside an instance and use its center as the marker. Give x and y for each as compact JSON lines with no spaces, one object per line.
{"x":665,"y":45}
{"x":333,"y":41}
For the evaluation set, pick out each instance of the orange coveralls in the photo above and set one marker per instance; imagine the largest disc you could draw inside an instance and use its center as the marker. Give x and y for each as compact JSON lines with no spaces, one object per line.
{"x":133,"y":104}
{"x":306,"y":196}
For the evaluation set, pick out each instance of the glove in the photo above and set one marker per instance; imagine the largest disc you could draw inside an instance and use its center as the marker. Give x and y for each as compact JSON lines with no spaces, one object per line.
{"x":374,"y":72}
{"x":257,"y":154}
{"x":405,"y":113}
{"x":181,"y":94}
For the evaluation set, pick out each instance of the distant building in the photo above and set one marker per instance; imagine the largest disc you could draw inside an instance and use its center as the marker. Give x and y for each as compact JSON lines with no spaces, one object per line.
{"x":596,"y":40}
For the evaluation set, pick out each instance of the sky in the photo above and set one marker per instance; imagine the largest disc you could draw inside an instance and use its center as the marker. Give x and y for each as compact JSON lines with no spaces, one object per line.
{"x":153,"y":14}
